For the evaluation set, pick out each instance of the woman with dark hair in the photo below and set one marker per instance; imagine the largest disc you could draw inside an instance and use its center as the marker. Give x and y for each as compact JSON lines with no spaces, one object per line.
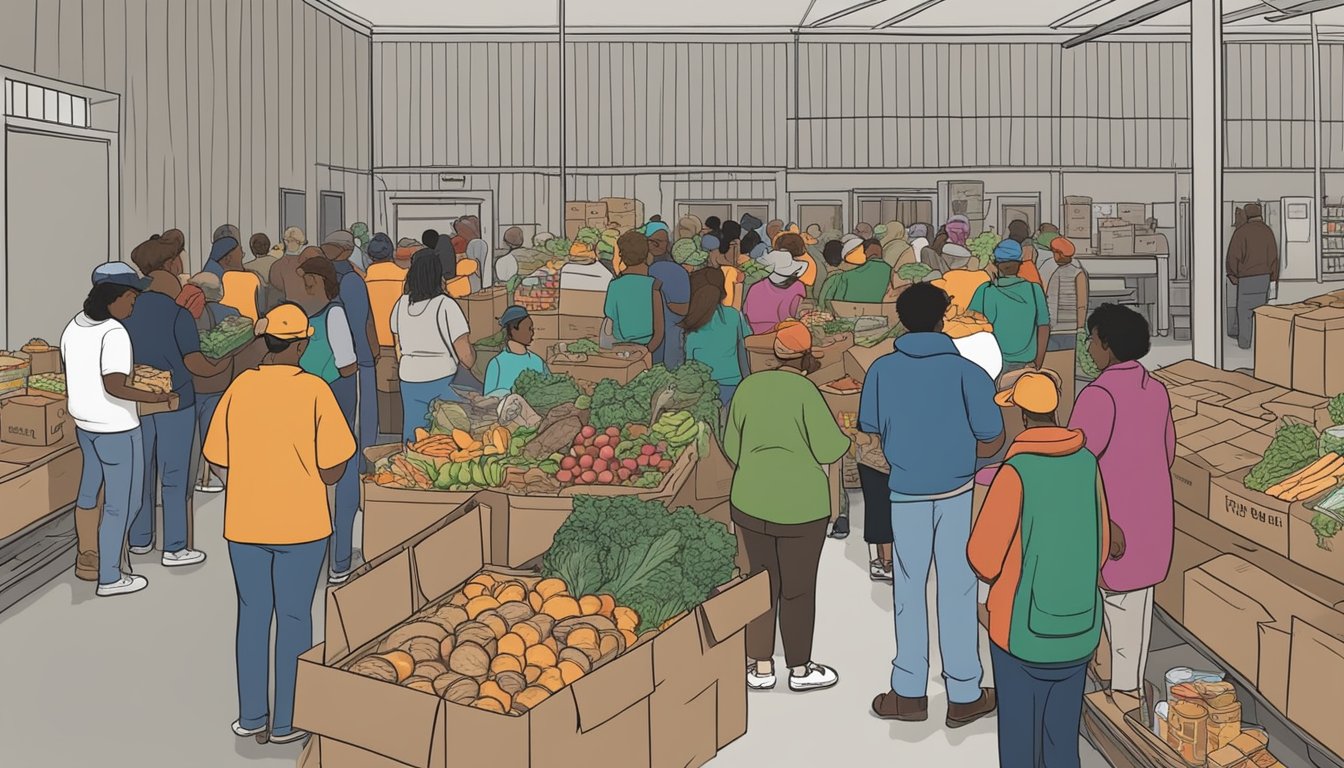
{"x":1126,"y":417}
{"x":715,"y":333}
{"x":515,"y":357}
{"x":282,"y":437}
{"x":96,"y":351}
{"x":430,"y":331}
{"x":780,"y":436}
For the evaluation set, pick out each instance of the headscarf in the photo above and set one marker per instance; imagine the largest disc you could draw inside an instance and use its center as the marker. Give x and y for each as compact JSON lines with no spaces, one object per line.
{"x":958,"y":230}
{"x":1063,"y":246}
{"x":380,"y":248}
{"x":792,"y":340}
{"x":222,"y":247}
{"x":895,"y":230}
{"x":783,"y":266}
{"x":1008,"y":250}
{"x":478,"y":251}
{"x":192,"y":299}
{"x":916,"y":231}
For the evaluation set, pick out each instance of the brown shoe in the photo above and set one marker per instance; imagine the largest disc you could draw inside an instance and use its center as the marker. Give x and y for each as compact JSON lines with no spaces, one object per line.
{"x":86,"y":566}
{"x":959,"y":715}
{"x":893,"y":706}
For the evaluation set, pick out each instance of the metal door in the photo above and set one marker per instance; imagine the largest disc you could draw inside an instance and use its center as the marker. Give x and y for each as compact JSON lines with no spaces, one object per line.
{"x":330,"y":213}
{"x":294,"y":211}
{"x":1297,"y":238}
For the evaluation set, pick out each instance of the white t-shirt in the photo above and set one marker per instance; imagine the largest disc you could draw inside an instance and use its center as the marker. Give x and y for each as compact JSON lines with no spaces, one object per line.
{"x":339,"y":337}
{"x":90,"y":349}
{"x":426,"y":331}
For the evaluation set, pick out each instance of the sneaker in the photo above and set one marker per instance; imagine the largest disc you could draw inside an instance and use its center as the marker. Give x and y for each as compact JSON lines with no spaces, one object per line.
{"x":243,"y":733}
{"x":210,"y":486}
{"x":893,"y":706}
{"x":128,"y":584}
{"x":840,"y":528}
{"x":182,"y":557}
{"x":879,"y":571}
{"x":758,"y":682}
{"x":145,"y":550}
{"x":337,"y":578}
{"x":818,"y":677}
{"x":289,"y":738}
{"x":960,"y":715}
{"x":86,"y":566}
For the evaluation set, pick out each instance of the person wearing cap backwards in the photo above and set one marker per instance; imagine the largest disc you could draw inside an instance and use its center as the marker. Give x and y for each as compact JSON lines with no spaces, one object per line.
{"x":283,"y":439}
{"x":771,"y":301}
{"x":1017,"y":310}
{"x":1040,"y":542}
{"x":675,"y":284}
{"x":1066,"y":296}
{"x":97,"y":358}
{"x":164,"y":337}
{"x":780,"y":437}
{"x":1252,"y":266}
{"x":633,"y":310}
{"x":934,"y":413}
{"x":504,"y":368}
{"x":1126,"y":416}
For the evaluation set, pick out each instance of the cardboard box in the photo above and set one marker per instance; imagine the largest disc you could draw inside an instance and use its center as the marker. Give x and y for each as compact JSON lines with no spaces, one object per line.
{"x":885,"y":310}
{"x":1187,"y":552}
{"x":393,"y":515}
{"x":864,"y":357}
{"x":1191,"y":479}
{"x":1078,"y":218}
{"x":1305,"y":549}
{"x":691,"y":674}
{"x":1312,"y":409}
{"x":385,"y":371}
{"x":48,"y":361}
{"x":1186,"y":372}
{"x":1132,"y":213}
{"x":1116,"y":240}
{"x":1244,"y":615}
{"x":1314,"y":677}
{"x":582,"y":303}
{"x":1192,"y":424}
{"x":844,"y":406}
{"x":1215,"y":435}
{"x":572,"y":227}
{"x":1274,"y":342}
{"x":576,"y":210}
{"x":1260,"y":518}
{"x":35,"y":420}
{"x":149,"y":409}
{"x":596,"y":210}
{"x":1318,"y":352}
{"x":1189,"y":396}
{"x":621,"y":364}
{"x":546,"y":326}
{"x":573,"y":328}
{"x":1150,"y":244}
{"x":36,"y":481}
{"x":483,"y":309}
{"x":389,"y":413}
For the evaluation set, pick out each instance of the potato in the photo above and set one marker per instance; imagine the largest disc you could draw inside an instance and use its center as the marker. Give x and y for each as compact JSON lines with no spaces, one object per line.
{"x":611,"y":644}
{"x":511,"y":682}
{"x":495,"y":622}
{"x":446,"y":647}
{"x":531,"y":673}
{"x":590,"y":605}
{"x":489,"y":705}
{"x":583,"y":638}
{"x":470,"y":659}
{"x":540,"y":656}
{"x":422,"y":684}
{"x":442,"y":682}
{"x":402,"y":662}
{"x":422,"y":648}
{"x":375,"y":667}
{"x":485,"y":580}
{"x":561,"y":607}
{"x":510,"y":592}
{"x":461,"y":691}
{"x":430,"y":669}
{"x":478,"y":605}
{"x":570,"y":672}
{"x":528,"y":632}
{"x":451,"y":614}
{"x":545,"y":625}
{"x":608,"y":605}
{"x":626,"y":618}
{"x":513,"y":644}
{"x":474,"y":632}
{"x":398,"y":637}
{"x":506,"y":663}
{"x":515,"y":611}
{"x":473,"y":590}
{"x":578,"y":657}
{"x":534,"y":600}
{"x":596,"y":623}
{"x":551,"y":679}
{"x":549,"y":588}
{"x":491,"y":689}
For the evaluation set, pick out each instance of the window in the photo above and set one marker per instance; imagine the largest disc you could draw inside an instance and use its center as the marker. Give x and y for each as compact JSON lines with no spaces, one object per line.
{"x":46,"y":104}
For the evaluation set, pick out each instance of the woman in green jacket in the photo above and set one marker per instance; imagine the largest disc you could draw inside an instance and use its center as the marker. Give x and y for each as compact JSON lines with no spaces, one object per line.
{"x":780,"y":438}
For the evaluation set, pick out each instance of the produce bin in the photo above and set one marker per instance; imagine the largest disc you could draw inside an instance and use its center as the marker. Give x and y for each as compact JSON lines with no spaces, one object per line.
{"x":621,"y":363}
{"x":38,"y":419}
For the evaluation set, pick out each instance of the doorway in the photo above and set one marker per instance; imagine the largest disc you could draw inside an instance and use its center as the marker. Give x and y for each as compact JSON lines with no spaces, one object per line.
{"x":724,"y":211}
{"x":1013,"y":208}
{"x":294,"y":211}
{"x":330,"y":213}
{"x":412,"y":216}
{"x":829,"y":216}
{"x":906,"y":209}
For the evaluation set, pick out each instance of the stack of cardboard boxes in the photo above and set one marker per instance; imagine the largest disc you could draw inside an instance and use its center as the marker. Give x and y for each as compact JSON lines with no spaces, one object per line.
{"x":1301,"y":346}
{"x":623,"y":213}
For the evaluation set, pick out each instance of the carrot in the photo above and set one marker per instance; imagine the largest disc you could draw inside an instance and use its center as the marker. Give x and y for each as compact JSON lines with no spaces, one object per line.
{"x":1302,"y":475}
{"x":1330,"y":470}
{"x":1308,"y":490}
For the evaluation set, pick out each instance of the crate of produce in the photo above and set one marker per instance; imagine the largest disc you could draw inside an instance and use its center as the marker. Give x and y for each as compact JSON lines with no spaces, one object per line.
{"x":586,"y":361}
{"x":48,"y":382}
{"x":42,"y":357}
{"x":226,"y":338}
{"x":14,"y":372}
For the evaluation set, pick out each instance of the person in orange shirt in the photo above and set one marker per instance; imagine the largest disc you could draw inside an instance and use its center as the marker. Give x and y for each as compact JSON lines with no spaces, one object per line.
{"x":1020,"y":233}
{"x":281,"y":436}
{"x":723,"y":258}
{"x":242,"y":288}
{"x":386,"y":281}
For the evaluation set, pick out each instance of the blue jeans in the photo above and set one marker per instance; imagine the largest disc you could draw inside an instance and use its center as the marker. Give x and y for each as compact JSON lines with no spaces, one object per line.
{"x":115,"y":460}
{"x":726,"y":393}
{"x":168,"y":442}
{"x":924,"y":533}
{"x":368,"y":412}
{"x":415,"y":399}
{"x":277,"y":581}
{"x":1040,"y":711}
{"x":346,"y":390}
{"x":205,"y":411}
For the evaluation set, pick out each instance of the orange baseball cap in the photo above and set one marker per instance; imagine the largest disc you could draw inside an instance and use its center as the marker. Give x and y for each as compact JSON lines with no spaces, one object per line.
{"x":286,"y":321}
{"x":792,"y":340}
{"x":1033,"y":392}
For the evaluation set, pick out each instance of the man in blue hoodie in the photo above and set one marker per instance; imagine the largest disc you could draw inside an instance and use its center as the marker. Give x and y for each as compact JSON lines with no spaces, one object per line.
{"x":935,"y":413}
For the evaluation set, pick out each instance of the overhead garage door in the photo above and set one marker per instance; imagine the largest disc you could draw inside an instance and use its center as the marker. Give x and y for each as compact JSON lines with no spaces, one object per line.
{"x":57,"y":228}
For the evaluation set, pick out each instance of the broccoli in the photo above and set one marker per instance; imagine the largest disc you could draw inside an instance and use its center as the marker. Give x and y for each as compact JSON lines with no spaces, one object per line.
{"x":545,"y":391}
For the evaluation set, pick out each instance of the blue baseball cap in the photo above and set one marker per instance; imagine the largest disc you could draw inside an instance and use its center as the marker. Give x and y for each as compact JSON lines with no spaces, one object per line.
{"x":1008,"y":250}
{"x":710,"y":243}
{"x":120,"y":273}
{"x":512,"y":315}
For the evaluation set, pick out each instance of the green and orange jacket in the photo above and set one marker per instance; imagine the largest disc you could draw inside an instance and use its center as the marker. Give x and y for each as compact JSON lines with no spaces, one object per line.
{"x":1040,"y":541}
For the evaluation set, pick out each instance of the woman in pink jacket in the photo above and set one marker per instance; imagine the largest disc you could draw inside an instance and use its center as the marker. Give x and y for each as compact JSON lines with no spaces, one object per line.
{"x":1126,"y":417}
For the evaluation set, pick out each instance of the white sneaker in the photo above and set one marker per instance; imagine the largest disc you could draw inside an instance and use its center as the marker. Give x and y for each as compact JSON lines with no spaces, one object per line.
{"x":877,"y":571}
{"x":182,"y":557}
{"x":759,"y":682}
{"x":142,"y":550}
{"x":243,"y":733}
{"x":818,"y":677}
{"x":336,"y":579}
{"x":210,"y":486}
{"x":289,"y":738}
{"x":127,"y":585}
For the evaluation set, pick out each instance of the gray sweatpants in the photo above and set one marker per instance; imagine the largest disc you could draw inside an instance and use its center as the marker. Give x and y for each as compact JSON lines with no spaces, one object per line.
{"x":1252,"y":292}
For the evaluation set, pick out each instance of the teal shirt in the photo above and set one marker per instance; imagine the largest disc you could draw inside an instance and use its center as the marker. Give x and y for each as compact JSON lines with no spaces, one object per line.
{"x":716,"y":344}
{"x":319,"y":359}
{"x":503,"y":369}
{"x":1016,"y":308}
{"x":866,"y":284}
{"x":629,"y":306}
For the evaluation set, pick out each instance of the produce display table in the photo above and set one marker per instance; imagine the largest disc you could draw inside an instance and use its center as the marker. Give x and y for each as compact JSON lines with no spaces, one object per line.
{"x":38,"y":486}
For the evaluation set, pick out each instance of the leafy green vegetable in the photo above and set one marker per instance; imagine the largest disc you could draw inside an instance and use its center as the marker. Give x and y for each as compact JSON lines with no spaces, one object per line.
{"x":444,"y":417}
{"x":914,"y":273}
{"x":589,"y":236}
{"x":692,"y":385}
{"x":544,"y":391}
{"x":1293,"y":448}
{"x":1085,"y":362}
{"x":660,"y":562}
{"x":557,"y":247}
{"x":838,"y":325}
{"x":583,"y":347}
{"x":982,"y":246}
{"x":1336,"y":409}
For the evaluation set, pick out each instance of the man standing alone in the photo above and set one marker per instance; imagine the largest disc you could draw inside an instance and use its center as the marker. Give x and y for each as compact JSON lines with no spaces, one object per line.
{"x":1252,"y":265}
{"x":932,"y":453}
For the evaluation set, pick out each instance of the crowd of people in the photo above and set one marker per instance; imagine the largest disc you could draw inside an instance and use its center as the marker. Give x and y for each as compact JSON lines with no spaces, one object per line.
{"x":1075,"y":531}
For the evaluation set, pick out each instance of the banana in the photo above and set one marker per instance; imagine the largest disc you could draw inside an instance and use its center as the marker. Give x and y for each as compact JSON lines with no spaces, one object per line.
{"x":477,"y":475}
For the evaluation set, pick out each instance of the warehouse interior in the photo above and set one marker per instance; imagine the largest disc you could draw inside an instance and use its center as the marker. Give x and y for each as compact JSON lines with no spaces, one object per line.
{"x":1141,"y":128}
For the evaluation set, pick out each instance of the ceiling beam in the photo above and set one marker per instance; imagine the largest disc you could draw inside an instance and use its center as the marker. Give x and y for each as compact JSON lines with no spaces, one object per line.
{"x":1080,"y":13}
{"x":1305,"y":9}
{"x":1259,"y":9}
{"x":907,"y":14}
{"x":1128,"y":19}
{"x":843,"y":12}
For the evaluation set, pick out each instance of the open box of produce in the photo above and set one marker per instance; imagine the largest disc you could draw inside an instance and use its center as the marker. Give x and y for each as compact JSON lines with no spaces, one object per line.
{"x":436,"y":658}
{"x":14,"y":372}
{"x":142,"y":377}
{"x":226,"y":338}
{"x":586,"y":361}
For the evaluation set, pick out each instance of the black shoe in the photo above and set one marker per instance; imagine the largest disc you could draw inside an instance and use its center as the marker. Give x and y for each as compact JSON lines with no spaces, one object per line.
{"x":840,"y":528}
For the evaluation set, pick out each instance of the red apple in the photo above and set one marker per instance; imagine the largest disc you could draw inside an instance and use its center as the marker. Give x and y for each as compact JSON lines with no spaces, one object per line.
{"x":606,"y":478}
{"x":589,"y":476}
{"x":613,"y":432}
{"x":585,"y":461}
{"x":630,"y":464}
{"x":647,"y":450}
{"x":601,"y":441}
{"x":600,"y":466}
{"x":607,"y":452}
{"x":642,"y":461}
{"x":579,"y":450}
{"x":569,"y":462}
{"x":664,"y":466}
{"x":624,"y":474}
{"x":564,"y":476}
{"x":588,"y":431}
{"x":655,"y":460}
{"x":578,"y":440}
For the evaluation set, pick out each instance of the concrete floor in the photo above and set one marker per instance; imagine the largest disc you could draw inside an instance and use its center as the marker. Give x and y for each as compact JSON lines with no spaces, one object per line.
{"x":148,"y":679}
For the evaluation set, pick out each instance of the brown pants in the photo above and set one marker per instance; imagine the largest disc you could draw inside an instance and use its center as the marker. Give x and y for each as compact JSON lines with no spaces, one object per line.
{"x":791,"y":555}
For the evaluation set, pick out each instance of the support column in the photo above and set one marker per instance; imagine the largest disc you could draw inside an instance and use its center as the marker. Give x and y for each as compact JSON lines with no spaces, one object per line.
{"x":1206,"y":151}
